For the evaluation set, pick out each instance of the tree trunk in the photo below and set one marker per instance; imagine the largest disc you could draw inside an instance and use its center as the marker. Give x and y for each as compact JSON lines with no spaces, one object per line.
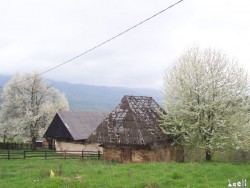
{"x":33,"y":144}
{"x":179,"y":153}
{"x":208,"y":154}
{"x":4,"y":136}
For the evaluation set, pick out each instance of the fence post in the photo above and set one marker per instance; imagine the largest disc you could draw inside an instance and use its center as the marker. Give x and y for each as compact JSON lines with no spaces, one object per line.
{"x":82,"y":153}
{"x":8,"y":154}
{"x":65,"y":154}
{"x":24,"y":154}
{"x":45,"y":154}
{"x":99,"y":155}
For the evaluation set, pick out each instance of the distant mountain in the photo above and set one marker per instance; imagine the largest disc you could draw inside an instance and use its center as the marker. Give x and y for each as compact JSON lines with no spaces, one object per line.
{"x":3,"y":80}
{"x":93,"y":98}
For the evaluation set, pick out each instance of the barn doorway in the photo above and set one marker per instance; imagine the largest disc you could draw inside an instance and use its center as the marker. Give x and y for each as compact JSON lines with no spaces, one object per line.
{"x":126,"y":155}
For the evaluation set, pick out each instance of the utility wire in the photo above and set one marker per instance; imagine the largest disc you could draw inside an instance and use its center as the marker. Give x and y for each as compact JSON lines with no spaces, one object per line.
{"x":112,"y":38}
{"x":106,"y":41}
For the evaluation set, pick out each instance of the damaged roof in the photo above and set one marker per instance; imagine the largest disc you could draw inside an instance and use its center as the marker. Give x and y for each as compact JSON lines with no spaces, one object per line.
{"x":135,"y":121}
{"x":74,"y":125}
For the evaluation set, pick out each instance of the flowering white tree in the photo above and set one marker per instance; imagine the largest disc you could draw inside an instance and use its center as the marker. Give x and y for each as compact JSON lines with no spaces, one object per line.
{"x":29,"y":104}
{"x":206,"y":100}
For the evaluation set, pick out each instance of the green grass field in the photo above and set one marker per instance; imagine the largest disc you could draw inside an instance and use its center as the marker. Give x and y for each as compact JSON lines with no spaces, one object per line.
{"x":98,"y":173}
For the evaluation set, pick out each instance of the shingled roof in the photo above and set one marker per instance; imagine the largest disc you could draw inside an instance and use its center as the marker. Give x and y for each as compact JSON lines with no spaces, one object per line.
{"x":135,"y":121}
{"x":74,"y":125}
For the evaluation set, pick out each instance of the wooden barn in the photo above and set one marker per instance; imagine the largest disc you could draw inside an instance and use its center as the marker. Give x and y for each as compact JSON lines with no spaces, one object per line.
{"x":131,"y":132}
{"x":69,"y":130}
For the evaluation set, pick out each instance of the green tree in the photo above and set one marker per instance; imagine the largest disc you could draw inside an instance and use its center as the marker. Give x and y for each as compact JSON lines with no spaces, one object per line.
{"x":29,"y":104}
{"x":206,"y":100}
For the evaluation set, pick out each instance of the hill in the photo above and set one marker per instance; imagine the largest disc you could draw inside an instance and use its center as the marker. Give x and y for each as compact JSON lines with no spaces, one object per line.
{"x":93,"y":98}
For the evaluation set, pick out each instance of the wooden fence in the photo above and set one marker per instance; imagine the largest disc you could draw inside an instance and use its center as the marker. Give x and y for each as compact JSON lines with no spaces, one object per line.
{"x":48,"y":154}
{"x":10,"y":146}
{"x":21,"y":146}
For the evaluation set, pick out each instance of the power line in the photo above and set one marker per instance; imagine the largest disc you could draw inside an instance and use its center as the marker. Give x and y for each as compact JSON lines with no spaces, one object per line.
{"x":112,"y":38}
{"x":106,"y":41}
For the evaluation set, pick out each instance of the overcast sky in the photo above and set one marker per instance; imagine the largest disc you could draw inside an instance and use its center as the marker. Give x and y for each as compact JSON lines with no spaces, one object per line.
{"x":40,"y":34}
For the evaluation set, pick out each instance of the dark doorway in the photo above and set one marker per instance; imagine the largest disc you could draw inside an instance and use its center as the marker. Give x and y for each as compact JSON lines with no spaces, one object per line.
{"x":126,"y":155}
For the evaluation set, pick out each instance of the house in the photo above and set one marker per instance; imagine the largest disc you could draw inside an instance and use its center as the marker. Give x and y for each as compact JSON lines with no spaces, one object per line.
{"x":131,"y":132}
{"x":69,"y":130}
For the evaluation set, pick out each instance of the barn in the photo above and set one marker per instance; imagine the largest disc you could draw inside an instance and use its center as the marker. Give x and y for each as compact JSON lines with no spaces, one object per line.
{"x":131,"y":132}
{"x":69,"y":130}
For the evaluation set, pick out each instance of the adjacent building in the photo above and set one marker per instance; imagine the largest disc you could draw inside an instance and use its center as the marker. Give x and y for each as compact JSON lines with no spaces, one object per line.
{"x":69,"y":130}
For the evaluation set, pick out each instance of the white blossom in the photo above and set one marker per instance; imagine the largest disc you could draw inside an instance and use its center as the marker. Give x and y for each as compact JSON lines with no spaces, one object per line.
{"x":206,"y":100}
{"x":29,"y":104}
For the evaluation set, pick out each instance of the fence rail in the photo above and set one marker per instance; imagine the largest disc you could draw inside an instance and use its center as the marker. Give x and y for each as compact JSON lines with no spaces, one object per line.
{"x":10,"y":146}
{"x":22,"y":146}
{"x":48,"y":154}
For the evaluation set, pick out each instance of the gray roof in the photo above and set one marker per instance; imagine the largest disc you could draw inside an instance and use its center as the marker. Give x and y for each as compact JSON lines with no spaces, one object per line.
{"x":81,"y":124}
{"x":135,"y":121}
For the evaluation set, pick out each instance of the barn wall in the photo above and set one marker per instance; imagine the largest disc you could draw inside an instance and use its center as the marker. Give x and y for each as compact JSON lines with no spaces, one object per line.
{"x":112,"y":154}
{"x":69,"y":146}
{"x":143,"y":155}
{"x":162,"y":154}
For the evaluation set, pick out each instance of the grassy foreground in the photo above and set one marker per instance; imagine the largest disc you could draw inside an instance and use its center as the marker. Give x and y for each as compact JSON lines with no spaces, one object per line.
{"x":94,"y":173}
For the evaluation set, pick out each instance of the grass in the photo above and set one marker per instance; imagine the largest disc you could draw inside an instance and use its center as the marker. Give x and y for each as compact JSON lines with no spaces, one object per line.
{"x":98,"y":173}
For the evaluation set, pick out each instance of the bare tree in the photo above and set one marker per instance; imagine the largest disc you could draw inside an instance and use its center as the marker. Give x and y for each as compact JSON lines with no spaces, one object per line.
{"x":206,"y":99}
{"x":29,"y":104}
